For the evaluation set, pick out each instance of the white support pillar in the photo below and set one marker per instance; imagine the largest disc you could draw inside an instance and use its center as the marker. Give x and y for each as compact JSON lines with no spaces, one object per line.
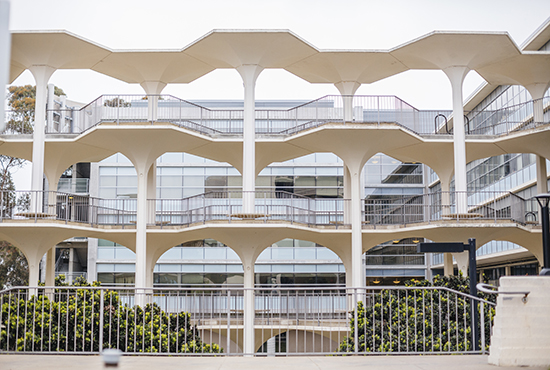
{"x":34,"y":272}
{"x":448,"y":268}
{"x":249,"y":309}
{"x":445,"y":197}
{"x":42,"y":74}
{"x":5,"y":49}
{"x":153,"y":90}
{"x":347,"y":196}
{"x":456,"y":75}
{"x":462,"y":262}
{"x":357,"y":273}
{"x":249,"y":73}
{"x":141,"y":234}
{"x":49,"y":106}
{"x":152,"y":192}
{"x":50,"y":268}
{"x":70,"y":278}
{"x":347,"y":90}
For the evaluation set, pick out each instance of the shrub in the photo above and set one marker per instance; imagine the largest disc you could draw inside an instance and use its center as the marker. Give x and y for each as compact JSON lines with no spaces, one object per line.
{"x":417,"y":320}
{"x":68,"y":320}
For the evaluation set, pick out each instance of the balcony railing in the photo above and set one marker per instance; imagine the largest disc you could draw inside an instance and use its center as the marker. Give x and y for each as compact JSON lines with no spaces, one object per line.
{"x":269,"y":207}
{"x":492,"y":206}
{"x":120,"y":109}
{"x":66,"y":207}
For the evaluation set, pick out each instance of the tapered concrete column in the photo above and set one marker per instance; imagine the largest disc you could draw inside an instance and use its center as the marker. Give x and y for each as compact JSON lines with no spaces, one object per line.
{"x":50,"y":267}
{"x":445,"y":197}
{"x":347,"y":90}
{"x":71,"y":264}
{"x":357,"y":273}
{"x":152,"y":193}
{"x":141,"y":234}
{"x":448,"y":268}
{"x":5,"y":48}
{"x":456,"y":75}
{"x":42,"y":74}
{"x":153,"y":90}
{"x":49,"y":106}
{"x":462,"y":262}
{"x":249,"y":309}
{"x":34,"y":273}
{"x":249,"y":73}
{"x":53,"y":181}
{"x":347,"y":196}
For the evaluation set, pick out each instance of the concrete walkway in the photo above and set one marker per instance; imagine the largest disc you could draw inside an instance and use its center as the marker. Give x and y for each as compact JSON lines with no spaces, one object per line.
{"x":454,"y":362}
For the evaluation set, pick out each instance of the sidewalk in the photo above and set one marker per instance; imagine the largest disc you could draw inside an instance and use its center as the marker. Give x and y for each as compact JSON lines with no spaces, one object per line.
{"x":447,"y":362}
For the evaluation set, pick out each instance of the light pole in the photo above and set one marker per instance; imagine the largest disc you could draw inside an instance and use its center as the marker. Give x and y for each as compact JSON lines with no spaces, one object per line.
{"x":544,"y":200}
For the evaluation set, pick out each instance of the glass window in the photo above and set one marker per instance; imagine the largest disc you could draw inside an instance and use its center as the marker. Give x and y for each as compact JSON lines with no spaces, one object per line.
{"x":125,"y":267}
{"x":126,"y":171}
{"x":172,"y":254}
{"x":105,"y":267}
{"x":171,"y":170}
{"x":192,"y":253}
{"x":235,"y":268}
{"x":282,"y":268}
{"x":192,"y":268}
{"x":104,"y":170}
{"x":171,"y":193}
{"x":171,"y":180}
{"x":123,"y":253}
{"x":105,"y":253}
{"x":214,"y":268}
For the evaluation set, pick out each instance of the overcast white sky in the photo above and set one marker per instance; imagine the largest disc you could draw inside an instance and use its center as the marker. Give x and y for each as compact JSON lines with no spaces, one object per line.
{"x":327,"y":24}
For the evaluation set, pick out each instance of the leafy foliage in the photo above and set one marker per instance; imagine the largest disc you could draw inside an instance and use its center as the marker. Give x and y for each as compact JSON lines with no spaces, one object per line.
{"x":14,"y":270}
{"x":417,"y":320}
{"x":70,"y":320}
{"x":116,"y":102}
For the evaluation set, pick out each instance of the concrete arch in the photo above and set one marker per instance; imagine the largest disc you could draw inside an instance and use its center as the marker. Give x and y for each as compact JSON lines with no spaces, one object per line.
{"x":344,"y":258}
{"x":154,"y":254}
{"x":533,"y":246}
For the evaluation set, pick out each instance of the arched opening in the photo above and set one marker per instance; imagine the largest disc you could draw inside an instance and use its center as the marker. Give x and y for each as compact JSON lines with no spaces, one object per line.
{"x":205,"y":262}
{"x":396,"y":261}
{"x":115,"y":263}
{"x":302,"y":263}
{"x":315,"y":175}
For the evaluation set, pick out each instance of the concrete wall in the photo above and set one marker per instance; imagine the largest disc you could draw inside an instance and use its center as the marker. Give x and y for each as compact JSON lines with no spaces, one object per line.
{"x":521,"y":331}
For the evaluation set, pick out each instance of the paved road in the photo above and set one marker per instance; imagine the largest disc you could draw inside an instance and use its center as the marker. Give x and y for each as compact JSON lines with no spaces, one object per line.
{"x":455,"y":362}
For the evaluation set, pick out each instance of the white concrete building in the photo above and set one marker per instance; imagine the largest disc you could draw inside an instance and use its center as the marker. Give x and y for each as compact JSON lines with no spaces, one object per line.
{"x":167,"y":172}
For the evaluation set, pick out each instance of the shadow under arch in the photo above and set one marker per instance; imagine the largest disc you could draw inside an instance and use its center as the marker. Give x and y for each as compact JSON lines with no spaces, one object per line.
{"x":304,"y":269}
{"x":227,"y":271}
{"x":395,"y":261}
{"x":520,"y":251}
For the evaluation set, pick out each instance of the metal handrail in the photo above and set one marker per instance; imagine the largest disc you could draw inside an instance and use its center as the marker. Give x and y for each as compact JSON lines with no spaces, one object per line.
{"x":491,"y":289}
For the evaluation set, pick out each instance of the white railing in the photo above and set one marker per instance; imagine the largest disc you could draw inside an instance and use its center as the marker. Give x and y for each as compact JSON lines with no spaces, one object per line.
{"x":121,"y":109}
{"x":211,"y":321}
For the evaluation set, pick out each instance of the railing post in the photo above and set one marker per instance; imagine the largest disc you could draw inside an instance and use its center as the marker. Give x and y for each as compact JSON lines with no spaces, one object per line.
{"x":228,"y":350}
{"x":118,"y":110}
{"x":378,"y":109}
{"x":495,"y":206}
{"x":101,"y":319}
{"x":482,"y":325}
{"x":356,"y":319}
